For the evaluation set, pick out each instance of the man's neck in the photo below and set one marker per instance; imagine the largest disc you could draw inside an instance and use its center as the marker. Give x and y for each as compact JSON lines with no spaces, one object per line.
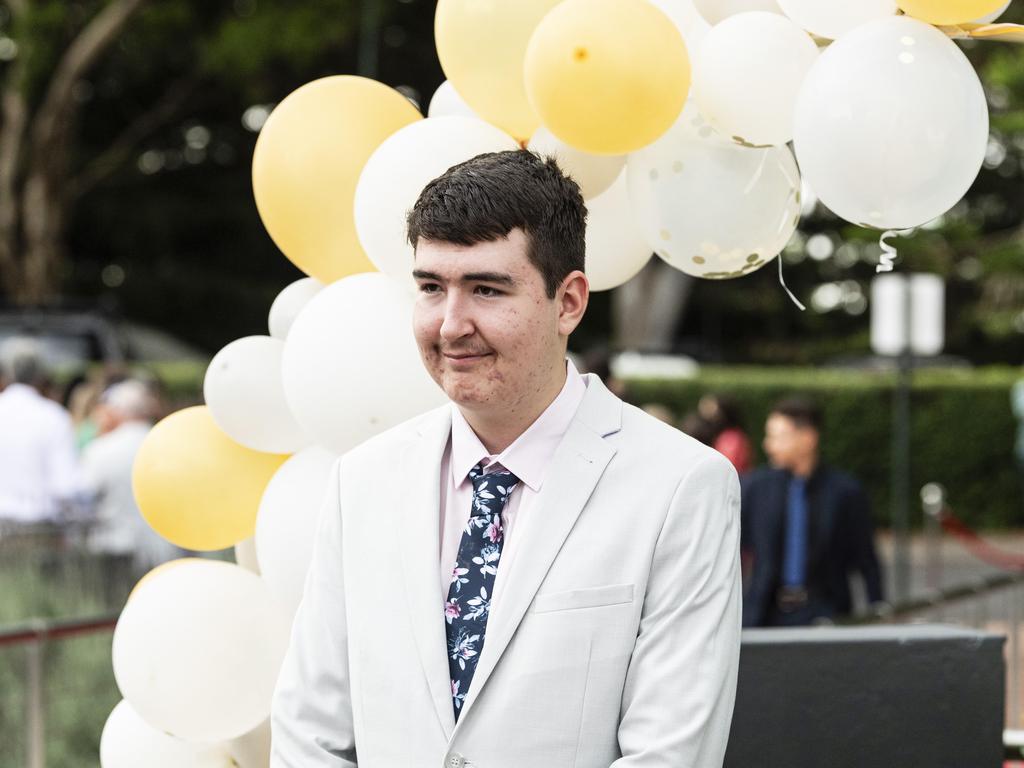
{"x":499,"y":427}
{"x":805,"y":467}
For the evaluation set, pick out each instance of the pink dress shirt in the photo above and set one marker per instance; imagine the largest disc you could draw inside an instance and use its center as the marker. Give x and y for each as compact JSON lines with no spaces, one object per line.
{"x":527,"y":458}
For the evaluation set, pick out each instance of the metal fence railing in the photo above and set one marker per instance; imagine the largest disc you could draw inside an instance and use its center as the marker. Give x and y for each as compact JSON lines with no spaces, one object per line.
{"x":56,"y":680}
{"x":35,"y":638}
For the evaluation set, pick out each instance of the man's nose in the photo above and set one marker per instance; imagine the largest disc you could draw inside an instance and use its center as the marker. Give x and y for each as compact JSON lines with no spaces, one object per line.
{"x":457,"y":322}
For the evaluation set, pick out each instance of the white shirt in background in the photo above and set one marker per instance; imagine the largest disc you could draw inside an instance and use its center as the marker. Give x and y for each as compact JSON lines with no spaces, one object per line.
{"x":120,"y":528}
{"x":38,"y":466}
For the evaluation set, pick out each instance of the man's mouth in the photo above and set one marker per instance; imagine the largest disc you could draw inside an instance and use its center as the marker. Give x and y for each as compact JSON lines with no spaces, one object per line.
{"x":464,"y":356}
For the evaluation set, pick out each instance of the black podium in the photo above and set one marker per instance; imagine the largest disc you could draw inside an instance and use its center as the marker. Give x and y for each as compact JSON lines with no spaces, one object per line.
{"x":900,"y":696}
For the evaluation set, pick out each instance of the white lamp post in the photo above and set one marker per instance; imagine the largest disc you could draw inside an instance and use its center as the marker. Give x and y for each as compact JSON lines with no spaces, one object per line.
{"x":907,"y":322}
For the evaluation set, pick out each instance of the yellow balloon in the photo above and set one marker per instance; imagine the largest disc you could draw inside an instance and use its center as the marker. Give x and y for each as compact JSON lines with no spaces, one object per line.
{"x":481,"y":46}
{"x":195,"y":486}
{"x":948,"y":11}
{"x":607,"y":76}
{"x":307,"y":162}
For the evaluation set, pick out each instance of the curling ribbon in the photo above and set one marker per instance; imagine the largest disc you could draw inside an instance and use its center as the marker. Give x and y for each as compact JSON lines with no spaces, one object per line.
{"x":782,"y":282}
{"x":887,"y":261}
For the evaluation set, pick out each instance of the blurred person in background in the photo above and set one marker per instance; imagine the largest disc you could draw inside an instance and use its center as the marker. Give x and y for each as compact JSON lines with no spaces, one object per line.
{"x":806,"y":526}
{"x":39,"y":474}
{"x":697,"y":427}
{"x":80,"y":397}
{"x":722,"y":414}
{"x":120,"y":537}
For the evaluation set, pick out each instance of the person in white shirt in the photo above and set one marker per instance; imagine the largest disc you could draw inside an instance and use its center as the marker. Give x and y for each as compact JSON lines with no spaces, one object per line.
{"x":39,"y":474}
{"x":120,"y":535}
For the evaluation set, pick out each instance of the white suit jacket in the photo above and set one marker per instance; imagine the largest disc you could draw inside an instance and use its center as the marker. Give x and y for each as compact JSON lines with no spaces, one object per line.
{"x":615,"y":642}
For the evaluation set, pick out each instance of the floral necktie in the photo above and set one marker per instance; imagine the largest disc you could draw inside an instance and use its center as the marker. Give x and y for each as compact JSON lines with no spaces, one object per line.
{"x":476,"y":566}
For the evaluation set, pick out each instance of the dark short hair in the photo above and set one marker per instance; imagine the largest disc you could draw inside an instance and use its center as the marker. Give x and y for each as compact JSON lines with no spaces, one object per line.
{"x":802,"y":411}
{"x":485,"y":198}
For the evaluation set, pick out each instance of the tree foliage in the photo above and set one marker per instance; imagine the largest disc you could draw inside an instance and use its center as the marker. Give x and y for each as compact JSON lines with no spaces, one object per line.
{"x":149,"y":203}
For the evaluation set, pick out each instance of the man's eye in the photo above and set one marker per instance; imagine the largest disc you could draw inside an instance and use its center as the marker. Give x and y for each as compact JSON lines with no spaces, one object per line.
{"x":487,"y":291}
{"x":429,"y":287}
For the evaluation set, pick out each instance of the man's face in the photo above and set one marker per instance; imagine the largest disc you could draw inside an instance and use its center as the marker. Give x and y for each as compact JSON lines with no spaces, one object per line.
{"x":788,"y":445}
{"x":487,"y":331}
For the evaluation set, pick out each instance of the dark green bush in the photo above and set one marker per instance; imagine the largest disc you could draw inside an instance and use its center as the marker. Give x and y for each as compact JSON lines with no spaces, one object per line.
{"x":962,"y":428}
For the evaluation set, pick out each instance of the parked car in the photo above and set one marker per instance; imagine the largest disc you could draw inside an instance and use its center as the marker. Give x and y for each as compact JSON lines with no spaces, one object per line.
{"x":72,"y":340}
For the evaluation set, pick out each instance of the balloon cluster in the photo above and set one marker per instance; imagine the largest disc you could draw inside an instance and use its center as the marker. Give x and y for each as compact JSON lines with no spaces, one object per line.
{"x":680,"y":133}
{"x":889,"y":125}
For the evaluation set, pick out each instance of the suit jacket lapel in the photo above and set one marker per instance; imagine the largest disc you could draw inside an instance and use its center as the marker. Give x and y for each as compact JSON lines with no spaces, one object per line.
{"x":578,"y":464}
{"x":421,"y":507}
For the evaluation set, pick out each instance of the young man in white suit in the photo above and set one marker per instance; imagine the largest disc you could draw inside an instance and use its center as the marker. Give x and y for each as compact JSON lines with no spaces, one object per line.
{"x":577,"y":608}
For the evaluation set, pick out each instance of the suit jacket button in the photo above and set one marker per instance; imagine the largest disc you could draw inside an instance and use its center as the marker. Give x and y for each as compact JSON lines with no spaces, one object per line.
{"x":454,"y":760}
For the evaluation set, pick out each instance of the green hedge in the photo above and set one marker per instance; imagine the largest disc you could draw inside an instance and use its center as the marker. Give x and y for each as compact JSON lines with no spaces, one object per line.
{"x":962,"y":428}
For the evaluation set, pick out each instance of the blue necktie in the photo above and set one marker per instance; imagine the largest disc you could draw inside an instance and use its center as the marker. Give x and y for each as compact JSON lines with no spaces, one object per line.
{"x":794,"y":563}
{"x":472,"y":585}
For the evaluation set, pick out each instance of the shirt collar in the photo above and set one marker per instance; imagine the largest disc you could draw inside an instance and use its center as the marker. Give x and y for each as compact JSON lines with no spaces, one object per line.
{"x":530,"y":454}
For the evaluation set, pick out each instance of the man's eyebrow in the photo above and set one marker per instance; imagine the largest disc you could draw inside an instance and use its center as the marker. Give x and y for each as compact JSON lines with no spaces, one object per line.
{"x":500,"y":278}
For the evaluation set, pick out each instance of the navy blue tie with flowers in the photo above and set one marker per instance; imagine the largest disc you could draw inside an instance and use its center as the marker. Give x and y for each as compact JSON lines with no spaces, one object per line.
{"x":476,"y":566}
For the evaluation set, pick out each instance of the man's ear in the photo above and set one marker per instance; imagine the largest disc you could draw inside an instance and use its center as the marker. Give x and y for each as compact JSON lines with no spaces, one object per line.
{"x":572,"y":297}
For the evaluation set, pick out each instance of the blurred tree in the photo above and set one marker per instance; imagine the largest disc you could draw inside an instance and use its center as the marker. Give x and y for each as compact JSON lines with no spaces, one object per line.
{"x":124,"y":180}
{"x":169,"y":235}
{"x":96,"y":92}
{"x":39,"y":121}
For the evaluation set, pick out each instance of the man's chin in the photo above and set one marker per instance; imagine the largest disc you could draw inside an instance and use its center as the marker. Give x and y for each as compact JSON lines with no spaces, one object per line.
{"x":464,"y":393}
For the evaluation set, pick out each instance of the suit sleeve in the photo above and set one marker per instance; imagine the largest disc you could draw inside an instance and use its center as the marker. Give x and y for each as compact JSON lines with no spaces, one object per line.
{"x":681,"y":684}
{"x":311,"y":713}
{"x":864,"y":557}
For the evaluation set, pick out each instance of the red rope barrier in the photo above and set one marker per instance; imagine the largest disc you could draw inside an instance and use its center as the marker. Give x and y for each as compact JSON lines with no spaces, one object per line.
{"x":977,"y":546}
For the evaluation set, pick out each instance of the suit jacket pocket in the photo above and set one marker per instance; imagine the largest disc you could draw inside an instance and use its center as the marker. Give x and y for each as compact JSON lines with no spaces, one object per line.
{"x":591,"y":597}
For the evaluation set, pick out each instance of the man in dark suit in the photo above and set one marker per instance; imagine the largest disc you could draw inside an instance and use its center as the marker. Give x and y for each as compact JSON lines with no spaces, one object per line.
{"x":806,"y":526}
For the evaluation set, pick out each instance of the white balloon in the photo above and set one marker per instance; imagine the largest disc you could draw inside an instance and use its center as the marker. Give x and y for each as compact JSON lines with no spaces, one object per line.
{"x":198,"y":647}
{"x":990,"y":17}
{"x":748,"y":73}
{"x":616,"y":248}
{"x":446,"y":102}
{"x":128,"y":741}
{"x":833,"y":18}
{"x":245,"y":395}
{"x":594,"y":173}
{"x":716,"y":10}
{"x":286,"y":522}
{"x":684,"y":14}
{"x":253,"y":749}
{"x":289,"y":303}
{"x":399,"y":169}
{"x":245,"y":555}
{"x":351,"y":364}
{"x":891,"y":124}
{"x":709,"y":207}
